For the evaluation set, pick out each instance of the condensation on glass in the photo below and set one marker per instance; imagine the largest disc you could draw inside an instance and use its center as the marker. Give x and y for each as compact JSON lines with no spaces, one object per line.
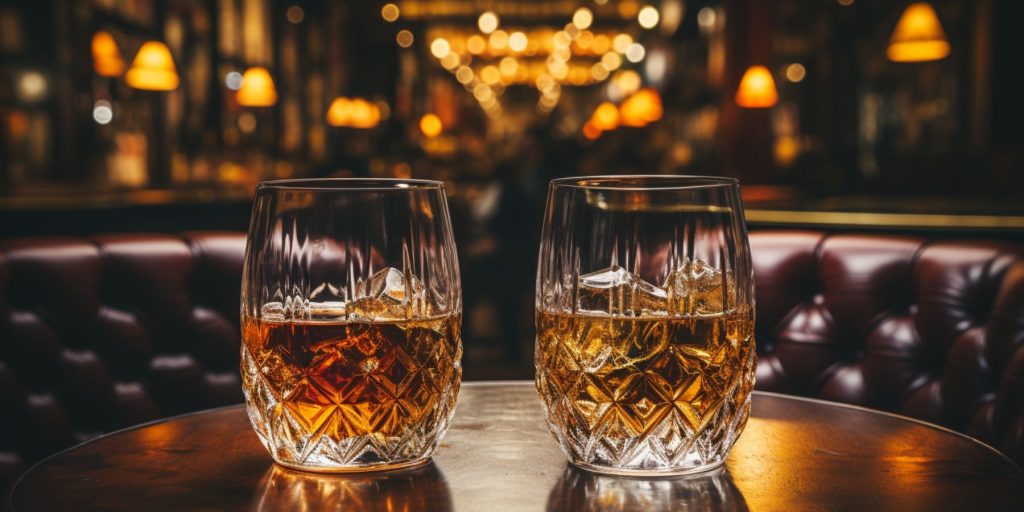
{"x":351,"y":317}
{"x":645,"y":313}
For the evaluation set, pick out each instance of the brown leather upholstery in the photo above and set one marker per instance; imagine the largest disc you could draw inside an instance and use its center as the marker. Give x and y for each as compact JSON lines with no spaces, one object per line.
{"x":101,"y":333}
{"x":98,"y":334}
{"x":934,"y":331}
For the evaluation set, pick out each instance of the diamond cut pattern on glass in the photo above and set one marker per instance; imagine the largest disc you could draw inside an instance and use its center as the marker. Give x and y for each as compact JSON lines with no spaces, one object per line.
{"x":672,"y":397}
{"x":350,"y":395}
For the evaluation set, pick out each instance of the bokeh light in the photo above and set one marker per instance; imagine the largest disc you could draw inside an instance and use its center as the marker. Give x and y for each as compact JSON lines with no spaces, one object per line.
{"x":517,"y":41}
{"x":233,"y":80}
{"x":582,"y":18}
{"x":440,"y":47}
{"x":295,"y":14}
{"x":389,"y":12}
{"x":102,"y":112}
{"x":635,"y":52}
{"x":648,"y":17}
{"x":431,"y":125}
{"x":404,"y":38}
{"x":795,"y":72}
{"x":487,"y":22}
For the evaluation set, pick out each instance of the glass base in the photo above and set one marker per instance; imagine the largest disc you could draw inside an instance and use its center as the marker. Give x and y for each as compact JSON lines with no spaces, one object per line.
{"x":608,"y":470}
{"x":362,"y":468}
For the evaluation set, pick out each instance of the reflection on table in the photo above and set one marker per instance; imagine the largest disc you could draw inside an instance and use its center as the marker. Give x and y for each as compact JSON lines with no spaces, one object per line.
{"x":422,"y":488}
{"x":582,"y":490}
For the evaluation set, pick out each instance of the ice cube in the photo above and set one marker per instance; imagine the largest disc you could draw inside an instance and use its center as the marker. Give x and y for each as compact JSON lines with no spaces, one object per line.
{"x":388,"y":295}
{"x":617,"y":292}
{"x":389,"y":283}
{"x":612,"y":343}
{"x":697,"y":288}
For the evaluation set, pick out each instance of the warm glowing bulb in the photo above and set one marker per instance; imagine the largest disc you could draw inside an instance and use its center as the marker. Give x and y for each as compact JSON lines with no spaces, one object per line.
{"x":295,"y":14}
{"x":389,"y":12}
{"x":561,"y":39}
{"x":795,"y":72}
{"x":606,"y":116}
{"x":648,"y":17}
{"x":450,"y":61}
{"x":106,"y":57}
{"x":153,"y":68}
{"x":635,"y":52}
{"x":257,"y":88}
{"x":628,"y":81}
{"x":590,"y":130}
{"x":490,"y":74}
{"x":354,"y":113}
{"x":706,"y":18}
{"x":31,"y":86}
{"x":641,"y":108}
{"x":517,"y":41}
{"x":482,"y":92}
{"x":499,"y":40}
{"x":611,"y":61}
{"x":918,"y":36}
{"x":464,"y":75}
{"x":338,"y":112}
{"x":582,"y":18}
{"x":440,"y":47}
{"x":786,"y":149}
{"x":757,"y":89}
{"x":628,"y":8}
{"x":404,"y":38}
{"x":431,"y":125}
{"x":487,"y":22}
{"x":621,"y":42}
{"x":508,"y":66}
{"x":363,"y":114}
{"x":476,"y":44}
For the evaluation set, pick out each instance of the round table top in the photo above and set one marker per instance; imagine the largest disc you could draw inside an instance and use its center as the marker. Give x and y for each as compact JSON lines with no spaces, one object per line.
{"x":796,"y":454}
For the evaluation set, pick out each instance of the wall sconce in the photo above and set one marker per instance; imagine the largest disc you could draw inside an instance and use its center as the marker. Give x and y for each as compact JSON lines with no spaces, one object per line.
{"x":918,"y":36}
{"x":757,"y":89}
{"x":257,"y":88}
{"x":153,"y":68}
{"x":106,"y":57}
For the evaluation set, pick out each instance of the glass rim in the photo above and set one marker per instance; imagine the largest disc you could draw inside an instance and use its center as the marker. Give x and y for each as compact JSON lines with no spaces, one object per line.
{"x":351,"y":184}
{"x":645,"y":182}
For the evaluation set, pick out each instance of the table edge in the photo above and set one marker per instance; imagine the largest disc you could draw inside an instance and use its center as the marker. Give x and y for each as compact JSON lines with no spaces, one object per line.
{"x":894,"y":415}
{"x":9,"y":501}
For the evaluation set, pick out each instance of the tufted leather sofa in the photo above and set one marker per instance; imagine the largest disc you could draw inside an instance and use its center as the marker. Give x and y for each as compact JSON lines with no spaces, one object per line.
{"x":98,"y":334}
{"x":105,"y":332}
{"x":934,"y":331}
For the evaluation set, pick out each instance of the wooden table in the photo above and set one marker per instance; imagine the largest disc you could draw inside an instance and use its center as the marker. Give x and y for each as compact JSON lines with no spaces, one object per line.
{"x":796,"y":454}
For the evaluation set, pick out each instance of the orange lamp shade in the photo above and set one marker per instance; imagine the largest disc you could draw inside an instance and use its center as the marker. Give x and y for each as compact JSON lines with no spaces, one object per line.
{"x":339,"y":111}
{"x":364,"y":114}
{"x":257,"y":88}
{"x":355,"y":113}
{"x":106,"y":57}
{"x":757,"y":89}
{"x":606,"y":116}
{"x":641,"y":108}
{"x":918,"y":36}
{"x":153,"y":68}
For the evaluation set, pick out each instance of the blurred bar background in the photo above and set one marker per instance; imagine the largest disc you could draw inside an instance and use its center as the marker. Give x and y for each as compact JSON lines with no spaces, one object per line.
{"x":162,"y":115}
